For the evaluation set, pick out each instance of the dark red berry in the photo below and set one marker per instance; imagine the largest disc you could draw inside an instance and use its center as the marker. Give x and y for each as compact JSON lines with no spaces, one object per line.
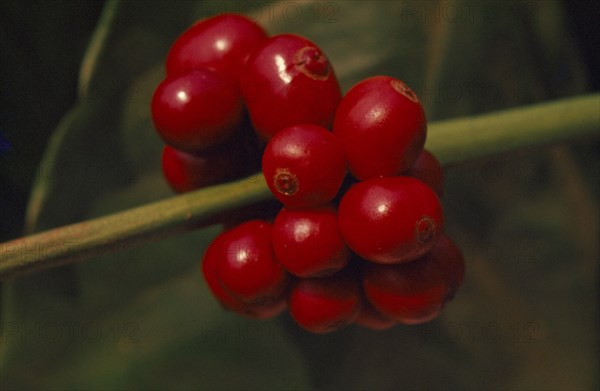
{"x":382,"y":127}
{"x":186,"y":172}
{"x":308,"y":242}
{"x":304,"y":165}
{"x":322,"y":305}
{"x":196,"y":111}
{"x":222,"y":43}
{"x":289,"y":81}
{"x":428,"y":170}
{"x":246,"y":265}
{"x":209,"y":271}
{"x":416,"y":292}
{"x":390,"y":220}
{"x":229,"y":302}
{"x":371,"y":318}
{"x":454,"y":262}
{"x":265,"y":310}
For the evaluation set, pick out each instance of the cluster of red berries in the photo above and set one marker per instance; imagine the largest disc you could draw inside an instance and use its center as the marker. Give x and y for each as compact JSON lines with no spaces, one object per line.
{"x":365,"y":247}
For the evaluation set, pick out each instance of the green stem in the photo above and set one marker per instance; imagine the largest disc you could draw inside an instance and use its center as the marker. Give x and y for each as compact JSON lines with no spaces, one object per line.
{"x":536,"y":125}
{"x":451,"y":141}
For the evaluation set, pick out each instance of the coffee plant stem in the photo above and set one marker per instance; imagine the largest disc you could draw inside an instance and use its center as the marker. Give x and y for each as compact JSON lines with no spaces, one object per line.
{"x":451,"y":141}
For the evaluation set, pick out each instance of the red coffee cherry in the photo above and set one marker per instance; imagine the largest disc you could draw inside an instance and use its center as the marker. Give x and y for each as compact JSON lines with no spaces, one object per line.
{"x":454,"y":262}
{"x":256,"y":311}
{"x":428,"y":170}
{"x":222,"y":43}
{"x":304,"y":165}
{"x":382,"y":127}
{"x":288,"y":81}
{"x":308,"y":242}
{"x":323,"y":305}
{"x":196,"y":111}
{"x":390,"y":220}
{"x":371,"y":318}
{"x":415,"y":292}
{"x":186,"y":172}
{"x":246,"y":266}
{"x":269,"y":309}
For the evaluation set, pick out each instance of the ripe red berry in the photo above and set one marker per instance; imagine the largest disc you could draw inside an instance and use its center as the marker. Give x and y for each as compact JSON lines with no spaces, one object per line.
{"x":382,"y":127}
{"x":416,"y":292}
{"x":186,"y":172}
{"x":288,"y":81}
{"x":246,"y":265}
{"x":229,"y":302}
{"x":454,"y":262}
{"x":221,"y":43}
{"x":371,"y":318}
{"x":196,"y":111}
{"x":322,"y":305}
{"x":265,"y":310}
{"x":390,"y":220}
{"x":308,"y":242}
{"x":428,"y":170}
{"x":304,"y":165}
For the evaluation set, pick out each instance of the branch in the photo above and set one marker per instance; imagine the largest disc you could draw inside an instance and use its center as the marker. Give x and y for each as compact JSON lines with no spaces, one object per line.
{"x":451,"y":141}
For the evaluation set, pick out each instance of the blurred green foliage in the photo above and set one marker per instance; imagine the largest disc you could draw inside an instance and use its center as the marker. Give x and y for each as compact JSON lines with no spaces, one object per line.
{"x":41,"y":45}
{"x":141,"y":318}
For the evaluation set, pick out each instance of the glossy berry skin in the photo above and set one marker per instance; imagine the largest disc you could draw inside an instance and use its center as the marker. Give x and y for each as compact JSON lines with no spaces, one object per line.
{"x":289,"y":81}
{"x":382,"y":127}
{"x":196,"y":111}
{"x":256,"y":311}
{"x":390,"y":220}
{"x":428,"y":170}
{"x":304,"y":165}
{"x":308,"y":241}
{"x":323,"y":305}
{"x":221,"y":43}
{"x":415,"y":292}
{"x":186,"y":172}
{"x":246,"y":266}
